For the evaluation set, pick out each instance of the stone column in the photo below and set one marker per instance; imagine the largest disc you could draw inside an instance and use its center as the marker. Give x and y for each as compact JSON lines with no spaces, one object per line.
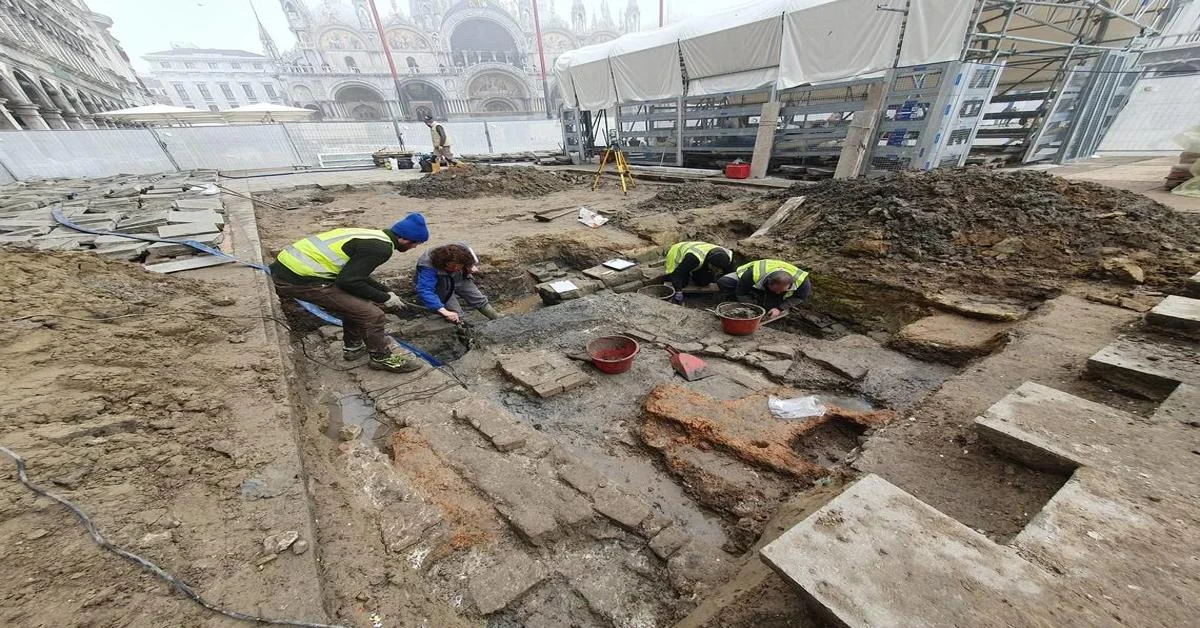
{"x":54,"y":118}
{"x":7,"y":121}
{"x":87,"y":121}
{"x":30,"y":115}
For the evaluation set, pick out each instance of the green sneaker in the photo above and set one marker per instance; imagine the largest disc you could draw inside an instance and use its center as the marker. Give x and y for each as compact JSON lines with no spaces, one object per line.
{"x":354,"y":352}
{"x":396,"y":363}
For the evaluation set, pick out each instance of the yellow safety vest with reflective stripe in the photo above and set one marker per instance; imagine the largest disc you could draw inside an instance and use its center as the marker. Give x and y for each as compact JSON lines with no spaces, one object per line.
{"x":678,"y":252}
{"x":321,"y":255}
{"x":763,"y":269}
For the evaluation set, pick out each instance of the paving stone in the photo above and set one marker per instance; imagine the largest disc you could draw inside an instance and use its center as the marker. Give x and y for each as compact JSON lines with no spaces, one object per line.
{"x":782,"y":351}
{"x":625,"y":509}
{"x":981,"y":307}
{"x":178,"y":217}
{"x":132,"y":250}
{"x":776,"y":368}
{"x":1149,"y":369}
{"x":1178,"y":314}
{"x":668,"y":541}
{"x":950,"y":338}
{"x":498,"y":586}
{"x":206,"y":261}
{"x":186,"y":204}
{"x":187,"y":229}
{"x":713,"y":350}
{"x":1182,"y":405}
{"x":545,"y":373}
{"x":688,"y":347}
{"x":904,"y":540}
{"x":505,"y":431}
{"x":585,"y":479}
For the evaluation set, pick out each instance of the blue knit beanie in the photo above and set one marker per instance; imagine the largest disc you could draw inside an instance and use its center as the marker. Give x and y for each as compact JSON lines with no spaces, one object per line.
{"x":412,"y":228}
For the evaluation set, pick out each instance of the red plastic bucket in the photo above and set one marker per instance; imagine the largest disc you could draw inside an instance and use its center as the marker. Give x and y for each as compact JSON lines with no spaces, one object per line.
{"x":737,"y":318}
{"x":737,"y":171}
{"x":613,"y":354}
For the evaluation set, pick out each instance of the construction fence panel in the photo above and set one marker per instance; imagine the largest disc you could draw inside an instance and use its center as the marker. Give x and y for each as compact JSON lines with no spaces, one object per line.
{"x":229,"y":147}
{"x":81,"y":153}
{"x":314,"y":139}
{"x":519,"y":136}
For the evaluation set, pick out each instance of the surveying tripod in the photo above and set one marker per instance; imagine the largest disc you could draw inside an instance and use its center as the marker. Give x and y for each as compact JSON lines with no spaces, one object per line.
{"x":614,"y":153}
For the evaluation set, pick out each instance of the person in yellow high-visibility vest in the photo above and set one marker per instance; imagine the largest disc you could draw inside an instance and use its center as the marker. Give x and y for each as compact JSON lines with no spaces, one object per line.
{"x":696,"y":263}
{"x":333,"y":270}
{"x":774,"y":284}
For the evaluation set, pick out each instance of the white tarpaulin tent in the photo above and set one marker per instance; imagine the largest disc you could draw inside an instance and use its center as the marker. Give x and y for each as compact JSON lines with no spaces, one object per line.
{"x":267,"y":112}
{"x":784,"y":43}
{"x":162,"y":114}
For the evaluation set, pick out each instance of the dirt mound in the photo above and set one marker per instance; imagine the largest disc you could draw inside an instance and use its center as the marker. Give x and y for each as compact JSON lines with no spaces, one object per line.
{"x":683,"y":197}
{"x":1011,"y":220}
{"x":476,"y":181}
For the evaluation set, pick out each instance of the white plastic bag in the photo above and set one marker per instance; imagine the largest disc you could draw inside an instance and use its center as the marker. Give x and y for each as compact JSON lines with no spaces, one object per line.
{"x":591,"y":218}
{"x":795,"y":408}
{"x":1190,"y":141}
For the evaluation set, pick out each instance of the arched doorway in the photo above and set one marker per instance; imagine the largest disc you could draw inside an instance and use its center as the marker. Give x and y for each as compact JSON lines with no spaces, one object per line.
{"x":478,"y":40}
{"x":361,"y":102}
{"x":499,"y":105}
{"x":422,"y":99}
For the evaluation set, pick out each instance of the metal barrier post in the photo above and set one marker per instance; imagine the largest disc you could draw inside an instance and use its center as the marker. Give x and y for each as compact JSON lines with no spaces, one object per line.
{"x":165,"y":150}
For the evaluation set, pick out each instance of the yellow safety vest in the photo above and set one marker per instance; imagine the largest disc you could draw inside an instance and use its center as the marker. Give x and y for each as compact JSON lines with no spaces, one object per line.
{"x":764,"y":267}
{"x":321,"y":255}
{"x":677,"y":253}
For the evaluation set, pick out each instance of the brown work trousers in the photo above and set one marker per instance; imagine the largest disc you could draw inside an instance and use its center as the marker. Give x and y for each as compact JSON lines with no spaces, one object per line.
{"x":362,"y":320}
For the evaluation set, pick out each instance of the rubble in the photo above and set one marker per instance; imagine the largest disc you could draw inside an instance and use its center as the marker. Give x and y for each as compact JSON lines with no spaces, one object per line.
{"x":171,"y":205}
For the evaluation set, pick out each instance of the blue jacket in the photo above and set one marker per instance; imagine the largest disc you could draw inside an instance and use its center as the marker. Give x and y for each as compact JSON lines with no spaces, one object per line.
{"x":427,"y":281}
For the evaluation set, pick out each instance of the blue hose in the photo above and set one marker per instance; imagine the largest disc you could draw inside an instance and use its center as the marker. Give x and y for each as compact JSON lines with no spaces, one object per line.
{"x":200,"y":246}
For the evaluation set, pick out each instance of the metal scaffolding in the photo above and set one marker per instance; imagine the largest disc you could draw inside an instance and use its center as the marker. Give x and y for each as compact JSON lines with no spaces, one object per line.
{"x":1068,"y":66}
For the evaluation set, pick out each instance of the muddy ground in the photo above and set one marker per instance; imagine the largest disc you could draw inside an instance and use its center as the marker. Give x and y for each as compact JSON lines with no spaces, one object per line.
{"x":633,"y":500}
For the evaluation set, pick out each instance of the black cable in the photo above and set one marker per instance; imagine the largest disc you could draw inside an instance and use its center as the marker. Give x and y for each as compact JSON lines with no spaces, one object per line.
{"x":161,"y":573}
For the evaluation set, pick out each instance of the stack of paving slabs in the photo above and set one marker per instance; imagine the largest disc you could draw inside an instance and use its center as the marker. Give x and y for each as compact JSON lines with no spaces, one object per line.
{"x":174,"y":206}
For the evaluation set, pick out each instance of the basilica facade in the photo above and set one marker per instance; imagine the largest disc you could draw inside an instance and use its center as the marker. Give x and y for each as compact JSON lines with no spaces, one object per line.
{"x":464,"y":59}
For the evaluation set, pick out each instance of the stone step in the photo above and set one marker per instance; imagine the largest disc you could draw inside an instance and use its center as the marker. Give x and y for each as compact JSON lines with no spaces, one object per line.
{"x":1150,"y":369}
{"x":858,"y":556}
{"x":1176,"y":313}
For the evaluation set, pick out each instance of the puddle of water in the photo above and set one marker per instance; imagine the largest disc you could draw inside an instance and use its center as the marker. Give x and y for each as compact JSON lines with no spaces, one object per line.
{"x":353,"y":410}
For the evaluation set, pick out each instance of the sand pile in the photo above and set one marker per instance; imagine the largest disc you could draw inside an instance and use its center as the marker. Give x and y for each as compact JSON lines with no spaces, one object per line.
{"x":688,"y":196}
{"x":475,"y":181}
{"x":1011,"y":219}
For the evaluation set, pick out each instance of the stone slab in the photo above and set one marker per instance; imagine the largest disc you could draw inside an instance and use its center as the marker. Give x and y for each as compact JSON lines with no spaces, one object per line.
{"x":545,"y":373}
{"x":623,"y":508}
{"x":980,"y":307}
{"x":194,"y":263}
{"x":950,"y":338}
{"x":1178,"y":314}
{"x":181,"y":217}
{"x":187,"y":229}
{"x":186,"y":204}
{"x":877,"y":556}
{"x":495,"y":587}
{"x":1182,"y":405}
{"x":1149,"y":369}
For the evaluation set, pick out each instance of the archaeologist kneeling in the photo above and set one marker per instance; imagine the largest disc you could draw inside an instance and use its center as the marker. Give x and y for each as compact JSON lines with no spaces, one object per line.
{"x":333,"y":270}
{"x":774,"y":284}
{"x":696,"y":263}
{"x":444,"y":276}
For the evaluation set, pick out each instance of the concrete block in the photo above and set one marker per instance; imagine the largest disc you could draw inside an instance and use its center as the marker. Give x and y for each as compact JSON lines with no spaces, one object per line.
{"x":187,"y":229}
{"x":1149,"y":369}
{"x":1176,"y":313}
{"x":495,"y":588}
{"x":622,"y":508}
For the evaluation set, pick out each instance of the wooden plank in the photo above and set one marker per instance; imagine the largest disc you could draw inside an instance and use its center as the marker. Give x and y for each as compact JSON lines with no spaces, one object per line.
{"x":188,"y":264}
{"x":779,"y":216}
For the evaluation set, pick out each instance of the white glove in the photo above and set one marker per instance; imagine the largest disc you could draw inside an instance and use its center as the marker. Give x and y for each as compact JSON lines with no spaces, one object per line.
{"x":394,"y":302}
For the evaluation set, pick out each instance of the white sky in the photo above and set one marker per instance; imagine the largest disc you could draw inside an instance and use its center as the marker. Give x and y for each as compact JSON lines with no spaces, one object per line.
{"x":145,"y":26}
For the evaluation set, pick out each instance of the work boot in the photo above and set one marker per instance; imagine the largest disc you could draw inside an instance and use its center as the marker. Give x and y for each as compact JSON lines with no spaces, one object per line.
{"x":489,"y":312}
{"x":354,"y":352}
{"x":395,"y":363}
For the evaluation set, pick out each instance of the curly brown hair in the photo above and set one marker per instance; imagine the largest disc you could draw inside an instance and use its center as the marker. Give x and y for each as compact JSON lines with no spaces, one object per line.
{"x":448,"y":254}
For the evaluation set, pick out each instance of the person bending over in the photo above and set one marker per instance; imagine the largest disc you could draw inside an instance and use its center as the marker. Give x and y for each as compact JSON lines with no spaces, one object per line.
{"x":697,"y":264}
{"x":444,"y":281}
{"x":773,"y":284}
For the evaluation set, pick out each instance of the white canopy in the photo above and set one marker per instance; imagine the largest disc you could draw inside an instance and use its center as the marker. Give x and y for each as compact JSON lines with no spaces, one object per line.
{"x":163,"y":114}
{"x":784,"y":43}
{"x":267,"y":112}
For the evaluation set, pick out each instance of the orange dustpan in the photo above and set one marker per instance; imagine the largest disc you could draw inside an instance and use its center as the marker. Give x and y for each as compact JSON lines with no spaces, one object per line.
{"x":689,"y":366}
